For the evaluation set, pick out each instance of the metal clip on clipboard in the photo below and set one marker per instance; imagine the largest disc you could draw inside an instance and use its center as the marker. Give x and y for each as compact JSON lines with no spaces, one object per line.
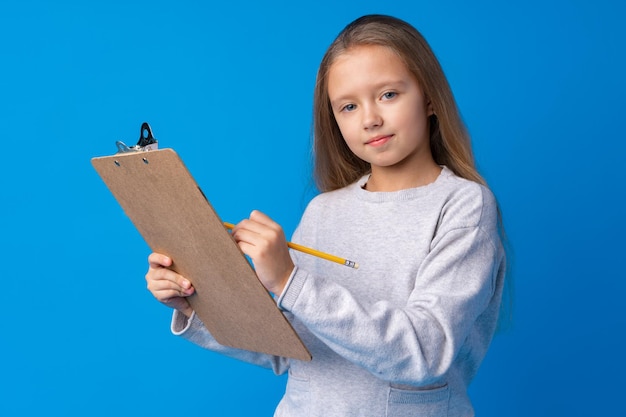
{"x":147,"y":142}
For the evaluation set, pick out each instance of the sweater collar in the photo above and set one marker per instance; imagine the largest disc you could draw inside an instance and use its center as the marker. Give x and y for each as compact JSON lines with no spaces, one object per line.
{"x":401,"y":195}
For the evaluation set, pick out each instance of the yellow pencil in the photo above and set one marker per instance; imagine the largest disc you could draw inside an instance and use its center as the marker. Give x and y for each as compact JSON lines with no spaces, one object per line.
{"x":313,"y":252}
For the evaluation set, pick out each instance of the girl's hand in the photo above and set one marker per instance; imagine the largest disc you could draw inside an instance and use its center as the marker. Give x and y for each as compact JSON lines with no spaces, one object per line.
{"x":263,"y":240}
{"x":167,"y":286}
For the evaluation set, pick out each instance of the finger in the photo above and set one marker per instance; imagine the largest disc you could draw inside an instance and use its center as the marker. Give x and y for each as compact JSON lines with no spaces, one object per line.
{"x":166,"y":294}
{"x":267,"y":244}
{"x":249,"y":226}
{"x":258,"y":222}
{"x":247,"y":231}
{"x":171,"y":297}
{"x":263,"y":218}
{"x":164,"y":276}
{"x":258,"y":226}
{"x":165,"y":283}
{"x":248,"y":249}
{"x":159,"y":260}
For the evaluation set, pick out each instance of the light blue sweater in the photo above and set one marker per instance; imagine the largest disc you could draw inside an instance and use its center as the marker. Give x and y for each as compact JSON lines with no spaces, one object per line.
{"x":404,"y":334}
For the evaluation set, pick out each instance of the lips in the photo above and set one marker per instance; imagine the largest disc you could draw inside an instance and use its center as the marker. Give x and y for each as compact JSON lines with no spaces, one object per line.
{"x":379,"y":140}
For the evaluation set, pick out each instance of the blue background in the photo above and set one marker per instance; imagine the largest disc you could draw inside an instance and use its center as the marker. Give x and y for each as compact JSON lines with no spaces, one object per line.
{"x":229,"y":86}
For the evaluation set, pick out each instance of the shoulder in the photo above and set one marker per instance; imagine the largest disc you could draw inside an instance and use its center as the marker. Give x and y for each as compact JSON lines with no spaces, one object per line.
{"x":324,"y":206}
{"x":465,"y":203}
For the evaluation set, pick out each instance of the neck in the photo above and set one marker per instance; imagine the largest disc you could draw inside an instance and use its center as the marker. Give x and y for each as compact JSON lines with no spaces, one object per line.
{"x":387,"y":179}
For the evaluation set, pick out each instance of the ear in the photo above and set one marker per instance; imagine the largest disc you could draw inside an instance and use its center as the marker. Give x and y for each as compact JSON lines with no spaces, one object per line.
{"x":429,"y":107}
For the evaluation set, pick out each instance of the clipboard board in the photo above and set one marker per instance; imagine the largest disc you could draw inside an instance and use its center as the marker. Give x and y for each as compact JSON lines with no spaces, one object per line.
{"x":174,"y":217}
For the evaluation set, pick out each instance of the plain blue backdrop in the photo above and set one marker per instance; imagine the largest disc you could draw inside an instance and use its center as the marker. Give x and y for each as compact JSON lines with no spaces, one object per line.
{"x":229,"y":86}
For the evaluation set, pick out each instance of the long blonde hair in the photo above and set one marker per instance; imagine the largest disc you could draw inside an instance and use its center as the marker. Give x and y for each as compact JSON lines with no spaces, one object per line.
{"x":335,"y":166}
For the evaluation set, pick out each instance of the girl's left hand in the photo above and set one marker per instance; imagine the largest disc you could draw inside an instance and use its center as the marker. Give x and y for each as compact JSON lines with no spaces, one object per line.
{"x":263,"y":240}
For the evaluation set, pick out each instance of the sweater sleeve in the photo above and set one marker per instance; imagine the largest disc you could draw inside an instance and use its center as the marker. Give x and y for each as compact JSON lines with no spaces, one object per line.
{"x":194,"y":330}
{"x":415,"y":343}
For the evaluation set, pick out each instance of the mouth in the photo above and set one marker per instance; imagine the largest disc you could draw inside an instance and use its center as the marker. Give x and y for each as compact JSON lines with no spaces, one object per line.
{"x":379,"y":140}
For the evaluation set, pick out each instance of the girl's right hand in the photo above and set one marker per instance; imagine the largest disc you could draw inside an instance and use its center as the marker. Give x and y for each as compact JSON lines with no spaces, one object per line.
{"x":167,"y":286}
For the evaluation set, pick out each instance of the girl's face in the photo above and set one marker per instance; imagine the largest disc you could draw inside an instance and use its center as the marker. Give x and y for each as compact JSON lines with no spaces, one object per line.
{"x":381,"y":110}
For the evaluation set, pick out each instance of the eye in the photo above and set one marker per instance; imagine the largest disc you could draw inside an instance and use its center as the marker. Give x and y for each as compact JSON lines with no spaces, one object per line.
{"x":389,"y":95}
{"x":349,"y":107}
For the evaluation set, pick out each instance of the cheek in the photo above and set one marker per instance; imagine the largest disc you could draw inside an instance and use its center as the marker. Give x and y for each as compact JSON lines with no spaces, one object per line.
{"x":352,"y":140}
{"x":349,"y":135}
{"x":417,"y":121}
{"x":346,"y":131}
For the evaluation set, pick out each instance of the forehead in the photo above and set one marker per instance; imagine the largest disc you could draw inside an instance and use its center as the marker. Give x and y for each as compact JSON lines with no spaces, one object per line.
{"x":365,"y":65}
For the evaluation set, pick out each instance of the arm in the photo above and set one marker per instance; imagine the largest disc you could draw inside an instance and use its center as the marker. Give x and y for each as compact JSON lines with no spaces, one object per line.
{"x":194,"y":330}
{"x":415,"y":343}
{"x":172,"y":289}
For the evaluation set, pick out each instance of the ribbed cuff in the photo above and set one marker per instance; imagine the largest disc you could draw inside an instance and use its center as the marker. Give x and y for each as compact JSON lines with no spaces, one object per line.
{"x":180,"y":322}
{"x":292,"y":290}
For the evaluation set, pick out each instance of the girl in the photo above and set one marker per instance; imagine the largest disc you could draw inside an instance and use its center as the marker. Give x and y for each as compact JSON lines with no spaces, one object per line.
{"x":404,"y":334}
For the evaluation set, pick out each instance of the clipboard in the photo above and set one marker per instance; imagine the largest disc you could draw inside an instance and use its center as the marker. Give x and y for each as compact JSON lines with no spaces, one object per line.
{"x":170,"y":211}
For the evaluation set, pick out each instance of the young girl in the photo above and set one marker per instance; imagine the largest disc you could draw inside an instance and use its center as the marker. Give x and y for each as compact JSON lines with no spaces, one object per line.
{"x":404,"y":334}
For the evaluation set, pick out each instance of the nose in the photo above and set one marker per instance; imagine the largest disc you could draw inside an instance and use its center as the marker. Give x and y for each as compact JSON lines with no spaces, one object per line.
{"x":371,"y":117}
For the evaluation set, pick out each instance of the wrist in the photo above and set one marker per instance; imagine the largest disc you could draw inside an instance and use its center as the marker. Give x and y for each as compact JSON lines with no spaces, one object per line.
{"x":282,"y":285}
{"x":187,"y":311}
